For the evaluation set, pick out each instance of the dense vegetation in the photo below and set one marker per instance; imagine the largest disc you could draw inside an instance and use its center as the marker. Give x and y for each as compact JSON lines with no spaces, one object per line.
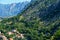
{"x":39,"y":21}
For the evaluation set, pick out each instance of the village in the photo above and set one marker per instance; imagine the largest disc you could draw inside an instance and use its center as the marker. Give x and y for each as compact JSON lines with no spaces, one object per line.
{"x":17,"y":34}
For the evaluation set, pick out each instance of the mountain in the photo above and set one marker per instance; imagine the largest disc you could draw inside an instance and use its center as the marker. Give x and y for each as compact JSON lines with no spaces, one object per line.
{"x":39,"y":21}
{"x":9,"y":10}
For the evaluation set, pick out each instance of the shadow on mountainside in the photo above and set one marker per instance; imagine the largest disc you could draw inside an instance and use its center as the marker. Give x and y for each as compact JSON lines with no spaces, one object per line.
{"x":52,"y":13}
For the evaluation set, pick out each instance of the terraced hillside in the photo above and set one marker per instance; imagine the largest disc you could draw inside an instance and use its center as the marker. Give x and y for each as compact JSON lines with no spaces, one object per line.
{"x":39,"y":21}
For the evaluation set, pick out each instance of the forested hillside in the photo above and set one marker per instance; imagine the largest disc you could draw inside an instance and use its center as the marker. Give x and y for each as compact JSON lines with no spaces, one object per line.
{"x":39,"y":21}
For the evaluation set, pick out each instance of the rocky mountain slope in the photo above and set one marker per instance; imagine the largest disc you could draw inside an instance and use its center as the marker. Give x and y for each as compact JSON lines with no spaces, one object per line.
{"x":9,"y":10}
{"x":39,"y":21}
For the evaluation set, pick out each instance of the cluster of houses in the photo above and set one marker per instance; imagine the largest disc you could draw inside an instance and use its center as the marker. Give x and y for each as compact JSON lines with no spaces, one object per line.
{"x":18,"y":35}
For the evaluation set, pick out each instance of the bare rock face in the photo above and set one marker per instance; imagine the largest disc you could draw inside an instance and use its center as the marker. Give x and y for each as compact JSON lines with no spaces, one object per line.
{"x":10,"y":10}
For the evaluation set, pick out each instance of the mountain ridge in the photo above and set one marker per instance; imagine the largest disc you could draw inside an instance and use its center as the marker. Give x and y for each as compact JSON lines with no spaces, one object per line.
{"x":11,"y":9}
